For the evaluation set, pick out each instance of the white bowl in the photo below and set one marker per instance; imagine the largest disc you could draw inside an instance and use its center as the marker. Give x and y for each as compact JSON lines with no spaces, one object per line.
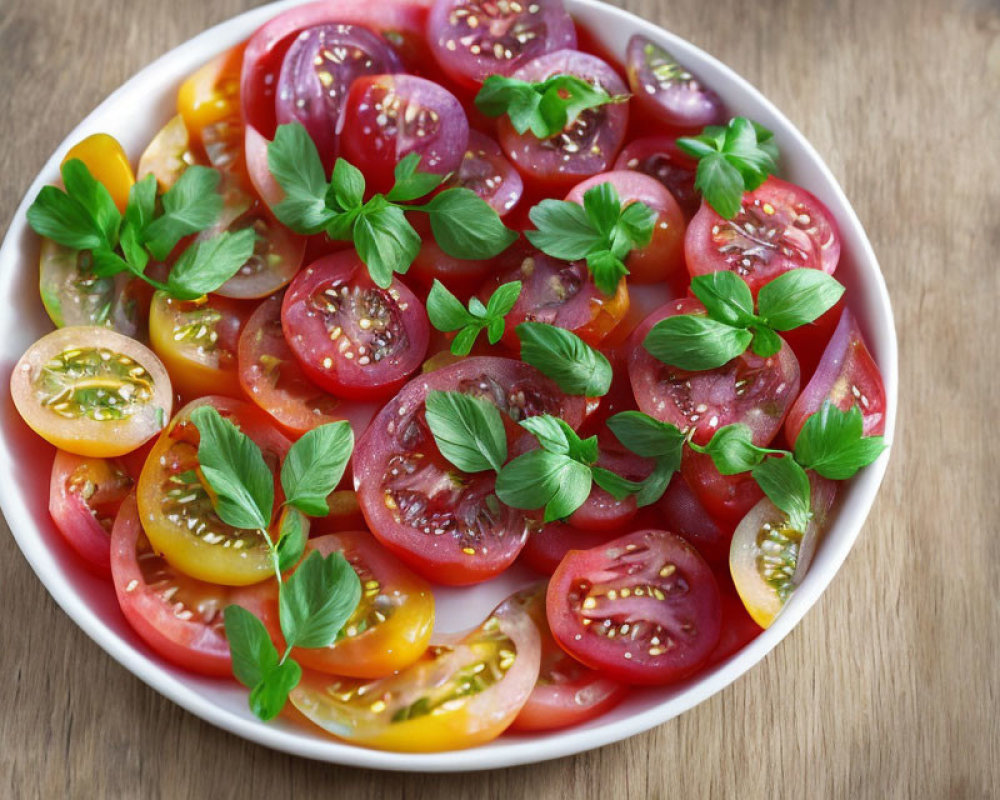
{"x":133,"y":114}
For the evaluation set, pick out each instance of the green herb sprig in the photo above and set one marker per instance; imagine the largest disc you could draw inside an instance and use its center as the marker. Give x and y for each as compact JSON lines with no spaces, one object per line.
{"x":730,"y":325}
{"x":575,"y":366}
{"x":463,"y":224}
{"x":546,"y":108}
{"x":447,"y":314}
{"x":314,"y":601}
{"x":732,"y":159}
{"x":601,"y":231}
{"x":83,"y":217}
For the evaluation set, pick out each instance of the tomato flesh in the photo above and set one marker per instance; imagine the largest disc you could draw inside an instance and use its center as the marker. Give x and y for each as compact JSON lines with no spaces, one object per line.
{"x":661,"y":158}
{"x":643,"y":608}
{"x":682,"y":513}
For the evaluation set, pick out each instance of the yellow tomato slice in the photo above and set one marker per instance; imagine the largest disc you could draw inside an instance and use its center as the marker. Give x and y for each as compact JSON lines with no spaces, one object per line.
{"x":108,"y":163}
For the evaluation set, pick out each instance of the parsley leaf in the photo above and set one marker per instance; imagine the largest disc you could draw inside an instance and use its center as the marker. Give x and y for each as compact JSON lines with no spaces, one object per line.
{"x":204,"y":266}
{"x":385,"y":241}
{"x":468,"y":431}
{"x":61,"y":218}
{"x":189,"y":206}
{"x":269,"y":696}
{"x":465,"y":226}
{"x":317,"y":599}
{"x":292,"y":538}
{"x":294,"y":162}
{"x":732,"y":160}
{"x":576,"y":367}
{"x":832,"y":442}
{"x":314,"y":466}
{"x":410,"y":184}
{"x":447,"y":314}
{"x":91,"y":194}
{"x":732,"y":450}
{"x":253,"y":653}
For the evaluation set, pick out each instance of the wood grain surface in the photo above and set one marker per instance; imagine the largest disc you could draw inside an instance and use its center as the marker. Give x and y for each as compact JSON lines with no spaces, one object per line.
{"x":889,"y":687}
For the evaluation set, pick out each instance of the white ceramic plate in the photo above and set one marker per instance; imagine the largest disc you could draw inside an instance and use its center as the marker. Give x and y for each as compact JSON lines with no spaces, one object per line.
{"x":133,"y":114}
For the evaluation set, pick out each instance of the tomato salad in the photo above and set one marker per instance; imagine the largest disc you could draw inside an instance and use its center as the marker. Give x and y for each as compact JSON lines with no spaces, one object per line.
{"x":404,"y":296}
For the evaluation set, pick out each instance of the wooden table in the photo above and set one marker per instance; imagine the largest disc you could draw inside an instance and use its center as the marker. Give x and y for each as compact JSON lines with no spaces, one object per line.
{"x":890,"y":686}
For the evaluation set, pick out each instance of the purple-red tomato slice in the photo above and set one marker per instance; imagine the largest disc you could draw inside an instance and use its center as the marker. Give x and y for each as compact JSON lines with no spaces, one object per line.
{"x":661,"y":158}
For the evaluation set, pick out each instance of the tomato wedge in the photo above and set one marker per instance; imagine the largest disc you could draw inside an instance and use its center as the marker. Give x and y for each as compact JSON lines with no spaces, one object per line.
{"x":466,"y":690}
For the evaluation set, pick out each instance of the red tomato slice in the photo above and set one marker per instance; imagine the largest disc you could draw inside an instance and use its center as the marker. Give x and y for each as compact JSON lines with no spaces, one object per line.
{"x":727,"y":498}
{"x":779,"y":227}
{"x":84,"y":497}
{"x":272,"y":377}
{"x":738,"y":627}
{"x":485,"y":171}
{"x":351,"y":337}
{"x":847,"y":375}
{"x":643,"y":608}
{"x":449,"y":526}
{"x":682,"y":513}
{"x":546,"y":548}
{"x":466,"y":690}
{"x":567,"y":693}
{"x":600,"y":511}
{"x":661,"y":158}
{"x":749,"y":389}
{"x":178,"y":616}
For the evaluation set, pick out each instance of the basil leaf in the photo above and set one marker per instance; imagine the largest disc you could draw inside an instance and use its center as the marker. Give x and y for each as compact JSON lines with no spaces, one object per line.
{"x":646,"y":491}
{"x":564,"y":230}
{"x":314,"y":466}
{"x":503,"y":300}
{"x":204,"y":266}
{"x":540,"y":479}
{"x":576,"y":367}
{"x":466,"y":227}
{"x":462,"y":344}
{"x":695,"y":342}
{"x":189,"y":206}
{"x":250,"y":646}
{"x":317,"y":599}
{"x":787,"y":486}
{"x":572,"y":490}
{"x":57,"y":216}
{"x":646,"y":436}
{"x":446,"y":311}
{"x":797,"y":297}
{"x":292,"y":538}
{"x":832,"y":442}
{"x":385,"y":241}
{"x":614,"y":484}
{"x":766,"y":342}
{"x":234,"y":468}
{"x":347,"y":186}
{"x":269,"y":696}
{"x":94,"y":197}
{"x":732,"y":450}
{"x":295,"y":164}
{"x":721,"y":184}
{"x":468,"y":431}
{"x":410,"y":184}
{"x":726,"y":297}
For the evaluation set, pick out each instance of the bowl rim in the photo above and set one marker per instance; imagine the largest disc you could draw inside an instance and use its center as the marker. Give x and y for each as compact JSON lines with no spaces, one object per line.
{"x":506,"y":751}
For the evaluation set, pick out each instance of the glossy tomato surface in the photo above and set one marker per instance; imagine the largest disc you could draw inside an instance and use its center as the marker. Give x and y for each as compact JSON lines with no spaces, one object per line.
{"x":661,"y":158}
{"x":449,"y":526}
{"x":643,"y":608}
{"x":485,"y":171}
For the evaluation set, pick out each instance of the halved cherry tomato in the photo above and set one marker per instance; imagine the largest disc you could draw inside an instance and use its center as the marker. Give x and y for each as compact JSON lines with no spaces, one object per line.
{"x":567,"y":693}
{"x":466,"y":690}
{"x":449,"y":526}
{"x":197,"y":341}
{"x":643,"y":608}
{"x":351,"y":337}
{"x":557,"y":292}
{"x":178,"y":616}
{"x":316,"y":75}
{"x":168,"y":155}
{"x":847,"y":375}
{"x":661,"y":158}
{"x":390,"y":628}
{"x":485,"y":171}
{"x":108,"y":163}
{"x":666,"y":93}
{"x":473,"y":40}
{"x":749,"y":389}
{"x":600,"y":511}
{"x":84,"y":496}
{"x":176,"y":507}
{"x":546,"y":547}
{"x":682,"y":513}
{"x":587,"y":146}
{"x":769,"y":558}
{"x":209,"y":103}
{"x":393,"y":116}
{"x":779,"y":227}
{"x":272,"y":377}
{"x":727,"y":498}
{"x":738,"y":627}
{"x":91,"y":391}
{"x":662,"y":260}
{"x":345,"y":513}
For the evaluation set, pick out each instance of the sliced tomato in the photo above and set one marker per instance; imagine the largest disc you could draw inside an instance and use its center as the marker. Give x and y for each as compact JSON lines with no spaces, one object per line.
{"x":485,"y":171}
{"x":176,"y":507}
{"x":643,"y":608}
{"x":779,"y":227}
{"x":466,"y":690}
{"x":168,"y":155}
{"x":472,"y":40}
{"x":727,"y":498}
{"x":390,"y":628}
{"x":769,"y":558}
{"x":682,"y":513}
{"x":557,"y":292}
{"x":567,"y":693}
{"x":345,"y":513}
{"x":588,"y":145}
{"x":272,"y":377}
{"x":108,"y":163}
{"x":666,"y":92}
{"x":662,"y":259}
{"x":750,"y":389}
{"x":847,"y":375}
{"x":84,"y":497}
{"x":661,"y":158}
{"x":546,"y":547}
{"x":738,"y":627}
{"x":180,"y":617}
{"x":351,"y":337}
{"x":447,"y":525}
{"x":197,"y":341}
{"x":209,"y":103}
{"x":91,"y":391}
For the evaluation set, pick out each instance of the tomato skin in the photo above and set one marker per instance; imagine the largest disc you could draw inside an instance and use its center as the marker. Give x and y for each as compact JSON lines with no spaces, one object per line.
{"x":433,"y":705}
{"x":485,"y":171}
{"x":661,"y":158}
{"x":643,"y":608}
{"x":738,"y":627}
{"x":108,"y":163}
{"x":727,"y":498}
{"x":84,"y":497}
{"x":381,"y":334}
{"x":546,"y":548}
{"x":567,"y":693}
{"x":682,"y":513}
{"x":395,"y":616}
{"x":847,"y":375}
